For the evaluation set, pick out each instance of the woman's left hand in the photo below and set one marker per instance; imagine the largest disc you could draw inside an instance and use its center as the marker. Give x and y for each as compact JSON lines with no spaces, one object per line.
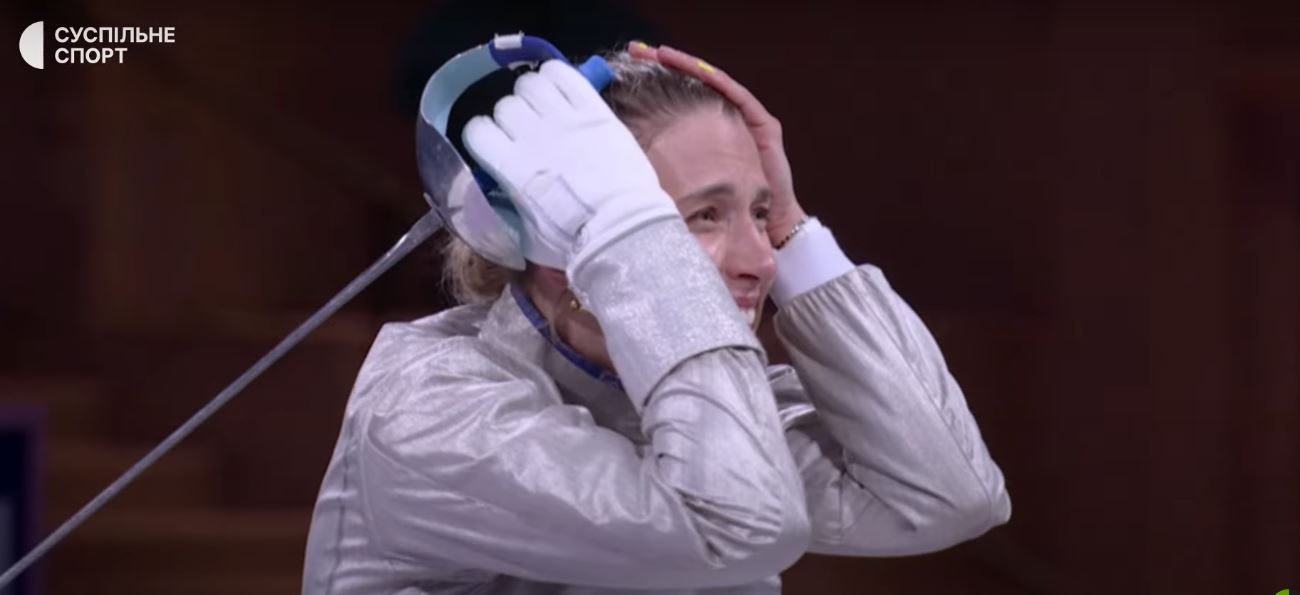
{"x":765,"y":128}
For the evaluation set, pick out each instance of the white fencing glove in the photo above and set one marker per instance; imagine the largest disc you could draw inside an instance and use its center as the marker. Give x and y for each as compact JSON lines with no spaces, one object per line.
{"x":576,"y":174}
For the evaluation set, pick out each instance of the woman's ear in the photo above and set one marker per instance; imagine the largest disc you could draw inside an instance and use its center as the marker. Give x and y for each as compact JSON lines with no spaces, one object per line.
{"x":551,"y":279}
{"x":549,"y":290}
{"x":546,"y":281}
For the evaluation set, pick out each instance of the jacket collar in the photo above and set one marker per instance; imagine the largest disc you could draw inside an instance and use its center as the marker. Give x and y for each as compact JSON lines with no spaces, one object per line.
{"x":515,"y":326}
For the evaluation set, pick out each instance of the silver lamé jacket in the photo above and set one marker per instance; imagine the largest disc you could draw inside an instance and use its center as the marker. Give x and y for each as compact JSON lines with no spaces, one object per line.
{"x":478,"y":454}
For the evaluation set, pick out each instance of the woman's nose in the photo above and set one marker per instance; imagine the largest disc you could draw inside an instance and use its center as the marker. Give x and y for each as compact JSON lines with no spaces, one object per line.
{"x":748,"y":253}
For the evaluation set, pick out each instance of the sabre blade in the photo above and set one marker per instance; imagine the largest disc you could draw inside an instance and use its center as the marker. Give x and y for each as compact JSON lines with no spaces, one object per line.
{"x":419,"y":232}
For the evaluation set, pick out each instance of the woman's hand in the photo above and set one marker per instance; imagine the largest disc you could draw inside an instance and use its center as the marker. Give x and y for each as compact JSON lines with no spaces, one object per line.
{"x":575,"y":172}
{"x":766,"y":130}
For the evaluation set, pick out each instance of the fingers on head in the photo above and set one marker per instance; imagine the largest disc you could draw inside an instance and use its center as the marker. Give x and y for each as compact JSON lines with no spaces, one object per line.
{"x":639,"y":49}
{"x":679,"y":59}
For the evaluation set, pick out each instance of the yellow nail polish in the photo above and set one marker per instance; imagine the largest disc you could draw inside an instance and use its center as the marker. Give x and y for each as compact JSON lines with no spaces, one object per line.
{"x":641,"y":44}
{"x":705,"y":66}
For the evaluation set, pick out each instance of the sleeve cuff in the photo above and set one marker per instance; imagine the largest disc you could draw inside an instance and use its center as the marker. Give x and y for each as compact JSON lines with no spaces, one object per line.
{"x":660,"y":301}
{"x":810,"y":259}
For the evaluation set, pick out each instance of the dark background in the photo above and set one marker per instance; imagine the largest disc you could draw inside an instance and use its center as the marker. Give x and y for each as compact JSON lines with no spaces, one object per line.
{"x":1095,"y":206}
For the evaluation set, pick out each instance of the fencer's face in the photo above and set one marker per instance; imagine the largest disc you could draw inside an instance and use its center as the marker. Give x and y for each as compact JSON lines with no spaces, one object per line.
{"x":708,"y":163}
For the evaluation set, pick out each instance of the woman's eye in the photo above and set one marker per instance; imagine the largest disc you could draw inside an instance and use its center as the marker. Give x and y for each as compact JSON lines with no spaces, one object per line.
{"x":709,"y":214}
{"x":762,"y":214}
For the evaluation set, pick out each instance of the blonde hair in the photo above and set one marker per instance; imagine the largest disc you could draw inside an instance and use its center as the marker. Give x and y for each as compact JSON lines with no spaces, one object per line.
{"x":647,"y":97}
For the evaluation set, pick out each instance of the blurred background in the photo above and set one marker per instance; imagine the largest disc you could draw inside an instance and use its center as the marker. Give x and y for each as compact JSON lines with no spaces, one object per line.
{"x":1095,"y":206}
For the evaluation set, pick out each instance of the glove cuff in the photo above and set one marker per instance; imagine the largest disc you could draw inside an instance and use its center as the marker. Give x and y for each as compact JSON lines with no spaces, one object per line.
{"x":609,"y":225}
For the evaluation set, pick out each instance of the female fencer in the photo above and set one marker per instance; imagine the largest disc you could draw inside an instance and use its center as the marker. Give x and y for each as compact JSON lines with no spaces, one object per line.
{"x":610,"y":424}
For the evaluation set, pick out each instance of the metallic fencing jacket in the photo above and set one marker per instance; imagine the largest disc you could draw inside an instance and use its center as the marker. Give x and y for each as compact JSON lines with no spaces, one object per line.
{"x":480,"y":454}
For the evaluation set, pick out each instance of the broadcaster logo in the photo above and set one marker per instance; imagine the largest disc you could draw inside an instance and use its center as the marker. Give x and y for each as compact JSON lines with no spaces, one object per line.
{"x":107,"y":44}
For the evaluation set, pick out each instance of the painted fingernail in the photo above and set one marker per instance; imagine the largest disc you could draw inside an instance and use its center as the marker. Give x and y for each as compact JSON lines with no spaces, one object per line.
{"x":641,"y":44}
{"x":705,"y":66}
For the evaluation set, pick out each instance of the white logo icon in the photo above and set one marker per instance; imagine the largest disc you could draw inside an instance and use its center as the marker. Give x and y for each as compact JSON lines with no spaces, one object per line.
{"x":32,"y":45}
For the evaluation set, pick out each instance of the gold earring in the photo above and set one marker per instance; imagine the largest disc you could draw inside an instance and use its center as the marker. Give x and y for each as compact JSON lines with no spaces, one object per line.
{"x":574,"y":304}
